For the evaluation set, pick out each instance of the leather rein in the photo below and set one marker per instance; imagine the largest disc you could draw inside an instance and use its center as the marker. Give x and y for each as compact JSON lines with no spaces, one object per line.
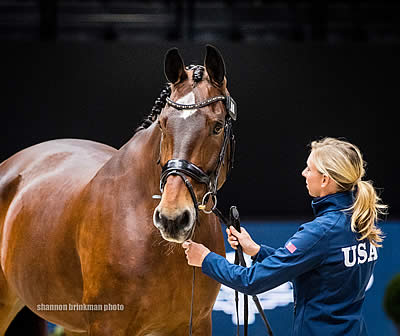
{"x":184,"y":169}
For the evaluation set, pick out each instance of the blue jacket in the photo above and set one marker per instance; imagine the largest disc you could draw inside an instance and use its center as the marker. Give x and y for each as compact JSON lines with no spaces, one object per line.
{"x":329,"y":267}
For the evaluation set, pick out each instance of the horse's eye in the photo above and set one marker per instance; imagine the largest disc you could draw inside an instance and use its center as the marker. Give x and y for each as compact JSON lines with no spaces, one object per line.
{"x":218,"y":128}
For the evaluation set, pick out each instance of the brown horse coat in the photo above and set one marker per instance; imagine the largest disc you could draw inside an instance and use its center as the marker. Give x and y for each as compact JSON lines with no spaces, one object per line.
{"x":77,"y":228}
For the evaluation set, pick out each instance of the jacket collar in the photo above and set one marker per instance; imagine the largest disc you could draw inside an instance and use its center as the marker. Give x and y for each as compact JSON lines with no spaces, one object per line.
{"x":332,"y":202}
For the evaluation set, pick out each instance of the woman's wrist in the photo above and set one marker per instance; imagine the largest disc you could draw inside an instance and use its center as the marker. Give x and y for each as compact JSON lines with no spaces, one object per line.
{"x":254,"y":250}
{"x":203,"y":256}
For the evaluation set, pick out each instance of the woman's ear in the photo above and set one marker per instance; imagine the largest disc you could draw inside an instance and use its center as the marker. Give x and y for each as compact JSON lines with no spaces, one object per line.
{"x":324,"y":181}
{"x":329,"y":185}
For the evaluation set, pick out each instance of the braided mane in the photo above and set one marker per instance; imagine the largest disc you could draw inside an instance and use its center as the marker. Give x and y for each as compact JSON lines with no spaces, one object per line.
{"x":159,"y":103}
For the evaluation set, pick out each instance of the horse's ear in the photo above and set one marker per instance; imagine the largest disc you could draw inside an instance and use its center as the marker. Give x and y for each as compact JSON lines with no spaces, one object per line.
{"x":174,"y":68}
{"x":215,"y":65}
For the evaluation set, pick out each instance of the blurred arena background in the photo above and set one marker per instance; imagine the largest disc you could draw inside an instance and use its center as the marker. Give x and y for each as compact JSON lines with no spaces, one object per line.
{"x":298,"y":70}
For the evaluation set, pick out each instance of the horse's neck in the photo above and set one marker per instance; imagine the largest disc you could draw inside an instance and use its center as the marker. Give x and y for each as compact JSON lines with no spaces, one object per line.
{"x":133,"y":171}
{"x":120,"y":195}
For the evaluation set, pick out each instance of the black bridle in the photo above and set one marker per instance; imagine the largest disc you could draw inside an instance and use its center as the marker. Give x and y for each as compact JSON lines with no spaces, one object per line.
{"x":184,"y":168}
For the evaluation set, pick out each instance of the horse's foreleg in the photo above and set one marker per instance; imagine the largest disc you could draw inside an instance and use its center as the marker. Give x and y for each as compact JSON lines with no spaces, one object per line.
{"x":7,"y":313}
{"x":8,"y":310}
{"x":10,"y":305}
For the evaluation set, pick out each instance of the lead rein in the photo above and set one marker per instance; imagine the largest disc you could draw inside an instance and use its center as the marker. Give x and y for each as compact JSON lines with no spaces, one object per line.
{"x":234,"y":220}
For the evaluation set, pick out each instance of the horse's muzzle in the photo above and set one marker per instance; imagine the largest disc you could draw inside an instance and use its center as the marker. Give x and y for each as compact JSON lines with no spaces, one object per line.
{"x":176,"y":226}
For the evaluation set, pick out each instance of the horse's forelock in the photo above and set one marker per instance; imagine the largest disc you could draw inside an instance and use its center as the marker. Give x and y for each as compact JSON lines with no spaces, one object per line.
{"x":198,"y":71}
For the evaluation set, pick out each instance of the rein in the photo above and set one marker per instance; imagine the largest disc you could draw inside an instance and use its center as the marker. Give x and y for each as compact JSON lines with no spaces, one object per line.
{"x":184,"y":168}
{"x":234,"y":220}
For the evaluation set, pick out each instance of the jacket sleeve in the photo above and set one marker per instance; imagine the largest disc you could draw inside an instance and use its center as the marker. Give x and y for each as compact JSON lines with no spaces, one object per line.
{"x":303,"y":252}
{"x":264,"y":252}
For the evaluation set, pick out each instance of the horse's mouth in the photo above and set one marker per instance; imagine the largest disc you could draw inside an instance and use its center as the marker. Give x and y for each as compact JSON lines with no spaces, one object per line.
{"x":177,"y":237}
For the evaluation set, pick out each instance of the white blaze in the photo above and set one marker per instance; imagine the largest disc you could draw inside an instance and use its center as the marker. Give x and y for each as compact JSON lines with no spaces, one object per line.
{"x":187,"y":100}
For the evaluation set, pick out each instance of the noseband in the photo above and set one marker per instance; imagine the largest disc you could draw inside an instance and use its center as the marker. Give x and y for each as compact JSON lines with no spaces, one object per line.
{"x":184,"y":168}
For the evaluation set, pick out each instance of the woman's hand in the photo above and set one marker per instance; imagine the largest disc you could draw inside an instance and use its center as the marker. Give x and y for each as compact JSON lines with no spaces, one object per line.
{"x":234,"y":238}
{"x":195,"y":253}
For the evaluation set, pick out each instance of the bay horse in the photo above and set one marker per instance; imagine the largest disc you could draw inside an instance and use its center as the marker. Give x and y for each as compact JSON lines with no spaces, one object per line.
{"x":83,"y":242}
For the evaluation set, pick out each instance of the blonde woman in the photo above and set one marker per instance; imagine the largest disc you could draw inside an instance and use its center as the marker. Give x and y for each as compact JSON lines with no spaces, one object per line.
{"x":329,"y":260}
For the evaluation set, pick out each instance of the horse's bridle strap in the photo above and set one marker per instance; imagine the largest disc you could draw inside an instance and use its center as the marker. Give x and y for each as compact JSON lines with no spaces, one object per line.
{"x":176,"y":165}
{"x":172,"y":167}
{"x":195,"y":106}
{"x":230,"y":104}
{"x":189,"y":186}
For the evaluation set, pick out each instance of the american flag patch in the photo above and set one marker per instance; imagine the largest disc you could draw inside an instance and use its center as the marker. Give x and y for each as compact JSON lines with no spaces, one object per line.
{"x":290,"y":246}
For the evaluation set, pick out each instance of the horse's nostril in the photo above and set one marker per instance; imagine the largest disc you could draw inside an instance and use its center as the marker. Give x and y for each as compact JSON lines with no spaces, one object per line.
{"x":172,"y":225}
{"x":162,"y":221}
{"x":184,"y":218}
{"x":158,"y":218}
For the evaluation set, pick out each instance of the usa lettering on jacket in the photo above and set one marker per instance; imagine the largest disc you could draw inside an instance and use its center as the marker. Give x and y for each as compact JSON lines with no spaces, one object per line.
{"x":359,"y":254}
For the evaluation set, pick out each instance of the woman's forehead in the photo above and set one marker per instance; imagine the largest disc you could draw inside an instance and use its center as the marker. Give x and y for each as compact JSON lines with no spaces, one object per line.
{"x":310,"y":160}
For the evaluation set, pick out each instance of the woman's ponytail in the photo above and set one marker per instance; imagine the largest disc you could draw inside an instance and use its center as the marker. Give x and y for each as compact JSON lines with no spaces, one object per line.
{"x":365,"y":211}
{"x":343,"y":162}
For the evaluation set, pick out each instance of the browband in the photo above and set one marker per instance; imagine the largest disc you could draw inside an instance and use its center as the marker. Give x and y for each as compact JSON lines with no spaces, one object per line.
{"x":194,"y":106}
{"x":229,"y":103}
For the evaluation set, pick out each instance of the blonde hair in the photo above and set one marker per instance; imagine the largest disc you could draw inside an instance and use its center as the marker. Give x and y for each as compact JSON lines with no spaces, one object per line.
{"x":343,"y":163}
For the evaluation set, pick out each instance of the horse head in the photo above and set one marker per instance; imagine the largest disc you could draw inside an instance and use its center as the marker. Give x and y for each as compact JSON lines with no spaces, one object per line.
{"x":195,"y":140}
